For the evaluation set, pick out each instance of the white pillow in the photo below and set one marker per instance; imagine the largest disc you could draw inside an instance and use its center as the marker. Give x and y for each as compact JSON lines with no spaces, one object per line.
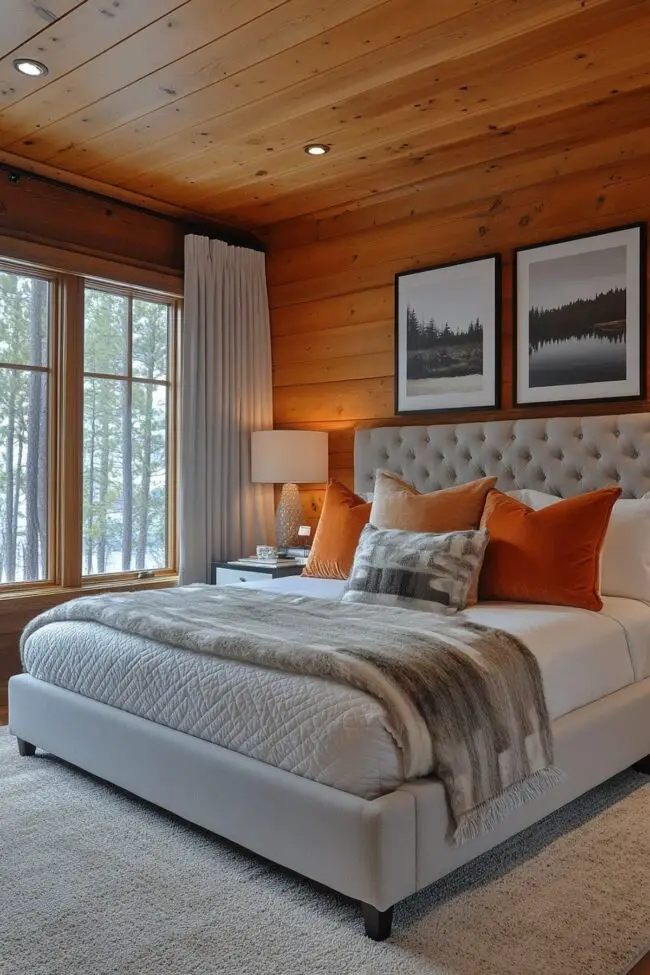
{"x":625,"y":562}
{"x":534,"y":499}
{"x":625,"y":558}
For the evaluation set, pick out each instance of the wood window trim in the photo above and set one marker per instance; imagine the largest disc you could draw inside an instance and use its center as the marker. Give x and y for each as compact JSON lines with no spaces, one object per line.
{"x":172,"y":386}
{"x":86,"y":264}
{"x":37,"y":593}
{"x":66,"y":400}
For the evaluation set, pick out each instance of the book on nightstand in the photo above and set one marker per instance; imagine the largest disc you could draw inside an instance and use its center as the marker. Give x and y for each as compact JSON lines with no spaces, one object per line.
{"x":276,"y":563}
{"x":294,"y":552}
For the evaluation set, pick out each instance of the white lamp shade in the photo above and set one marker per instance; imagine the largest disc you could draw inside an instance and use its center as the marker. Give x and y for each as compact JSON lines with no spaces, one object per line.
{"x":288,"y":456}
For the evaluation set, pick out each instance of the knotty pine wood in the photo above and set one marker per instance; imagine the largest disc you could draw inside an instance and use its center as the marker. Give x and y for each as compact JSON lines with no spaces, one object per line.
{"x":22,"y":21}
{"x":206,"y":107}
{"x":331,"y":286}
{"x":40,"y":210}
{"x":379,"y":91}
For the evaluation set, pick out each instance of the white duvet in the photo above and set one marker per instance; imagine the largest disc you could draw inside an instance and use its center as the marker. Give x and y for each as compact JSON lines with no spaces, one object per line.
{"x":314,"y":727}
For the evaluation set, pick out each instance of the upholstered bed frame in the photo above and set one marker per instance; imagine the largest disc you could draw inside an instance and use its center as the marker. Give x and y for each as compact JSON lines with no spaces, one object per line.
{"x":383,"y":850}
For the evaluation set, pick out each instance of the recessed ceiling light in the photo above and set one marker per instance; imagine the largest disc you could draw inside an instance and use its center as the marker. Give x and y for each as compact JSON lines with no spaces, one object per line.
{"x":35,"y":69}
{"x":316,"y":149}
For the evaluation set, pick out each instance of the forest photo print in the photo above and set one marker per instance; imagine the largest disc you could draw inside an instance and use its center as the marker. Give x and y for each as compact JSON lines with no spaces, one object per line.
{"x":580,"y":318}
{"x":446,"y":337}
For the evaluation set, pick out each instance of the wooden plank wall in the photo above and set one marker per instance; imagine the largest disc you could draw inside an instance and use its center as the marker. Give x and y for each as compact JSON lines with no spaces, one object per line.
{"x":43,"y":211}
{"x":331,"y":291}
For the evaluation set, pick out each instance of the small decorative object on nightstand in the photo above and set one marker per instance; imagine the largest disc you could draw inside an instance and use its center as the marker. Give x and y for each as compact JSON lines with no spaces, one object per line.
{"x":288,"y":457}
{"x":247,"y":570}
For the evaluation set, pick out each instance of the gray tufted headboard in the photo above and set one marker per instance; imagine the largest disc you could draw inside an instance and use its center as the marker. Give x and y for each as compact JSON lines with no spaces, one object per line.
{"x":560,"y":455}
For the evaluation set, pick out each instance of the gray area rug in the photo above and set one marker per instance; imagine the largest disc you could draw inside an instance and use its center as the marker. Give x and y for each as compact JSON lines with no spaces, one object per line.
{"x":93,"y":881}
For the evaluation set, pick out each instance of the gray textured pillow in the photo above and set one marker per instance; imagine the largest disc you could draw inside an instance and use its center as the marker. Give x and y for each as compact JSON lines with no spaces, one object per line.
{"x":416,"y":570}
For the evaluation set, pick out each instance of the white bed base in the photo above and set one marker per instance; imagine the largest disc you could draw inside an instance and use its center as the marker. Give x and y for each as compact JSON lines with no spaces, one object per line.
{"x":377,"y":851}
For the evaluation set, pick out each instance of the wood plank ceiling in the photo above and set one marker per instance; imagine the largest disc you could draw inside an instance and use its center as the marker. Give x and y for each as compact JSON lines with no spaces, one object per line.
{"x":207,"y":104}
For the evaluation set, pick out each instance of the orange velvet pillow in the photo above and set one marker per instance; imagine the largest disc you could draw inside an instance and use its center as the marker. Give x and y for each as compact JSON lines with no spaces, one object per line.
{"x":342,"y":520}
{"x":547,"y":556}
{"x":397,"y":504}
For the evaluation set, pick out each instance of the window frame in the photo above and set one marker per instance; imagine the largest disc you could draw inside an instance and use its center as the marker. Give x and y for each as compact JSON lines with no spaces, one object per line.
{"x":21,"y":269}
{"x":66,"y":375}
{"x":141,"y":294}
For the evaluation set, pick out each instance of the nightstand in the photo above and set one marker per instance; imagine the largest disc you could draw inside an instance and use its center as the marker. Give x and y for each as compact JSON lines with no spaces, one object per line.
{"x":225,"y":573}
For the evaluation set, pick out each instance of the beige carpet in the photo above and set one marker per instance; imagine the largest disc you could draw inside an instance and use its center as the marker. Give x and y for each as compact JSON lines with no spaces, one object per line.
{"x":94,"y":882}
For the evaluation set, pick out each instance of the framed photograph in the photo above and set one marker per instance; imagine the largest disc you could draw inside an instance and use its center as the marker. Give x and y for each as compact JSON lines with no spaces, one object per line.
{"x":580,"y":318}
{"x":447,"y":337}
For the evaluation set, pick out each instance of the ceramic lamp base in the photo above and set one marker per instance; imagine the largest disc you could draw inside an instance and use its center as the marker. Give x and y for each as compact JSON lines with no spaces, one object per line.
{"x":288,"y":516}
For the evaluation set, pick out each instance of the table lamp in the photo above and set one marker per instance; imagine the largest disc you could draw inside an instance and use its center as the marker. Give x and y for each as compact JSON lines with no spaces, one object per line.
{"x":288,"y":457}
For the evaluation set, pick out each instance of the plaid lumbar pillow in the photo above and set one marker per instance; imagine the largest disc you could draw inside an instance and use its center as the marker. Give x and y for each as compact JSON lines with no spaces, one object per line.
{"x":416,"y":570}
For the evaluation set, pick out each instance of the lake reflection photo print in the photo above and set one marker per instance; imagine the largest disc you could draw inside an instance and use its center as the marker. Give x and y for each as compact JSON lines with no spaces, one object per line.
{"x":446,"y":341}
{"x":579,"y":332}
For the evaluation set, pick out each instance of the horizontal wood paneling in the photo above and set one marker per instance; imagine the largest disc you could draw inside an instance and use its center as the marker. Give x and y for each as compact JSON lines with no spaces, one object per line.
{"x":40,"y":210}
{"x":476,"y":187}
{"x":207,"y":106}
{"x":22,"y":21}
{"x":331,"y":286}
{"x":85,"y":32}
{"x":368,"y":86}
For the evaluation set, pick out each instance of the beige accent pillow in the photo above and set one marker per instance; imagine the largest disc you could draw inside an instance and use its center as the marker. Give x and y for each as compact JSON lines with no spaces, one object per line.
{"x":397,"y":504}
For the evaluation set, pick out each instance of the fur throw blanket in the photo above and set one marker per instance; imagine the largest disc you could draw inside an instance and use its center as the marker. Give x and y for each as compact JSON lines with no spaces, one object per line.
{"x":465,"y":702}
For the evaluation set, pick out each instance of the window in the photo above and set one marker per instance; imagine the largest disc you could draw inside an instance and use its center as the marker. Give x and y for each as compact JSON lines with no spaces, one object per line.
{"x":25,"y":302}
{"x":87,"y":420}
{"x":126,"y":431}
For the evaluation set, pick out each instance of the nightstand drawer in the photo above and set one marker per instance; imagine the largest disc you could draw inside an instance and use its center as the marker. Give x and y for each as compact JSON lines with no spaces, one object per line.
{"x":226,"y":577}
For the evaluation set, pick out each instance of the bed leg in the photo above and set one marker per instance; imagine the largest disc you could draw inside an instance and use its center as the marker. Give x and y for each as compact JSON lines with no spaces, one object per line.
{"x":377,"y":923}
{"x":643,"y":765}
{"x":25,"y":748}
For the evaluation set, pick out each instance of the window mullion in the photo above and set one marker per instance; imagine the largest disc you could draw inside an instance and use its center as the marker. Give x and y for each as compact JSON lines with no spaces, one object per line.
{"x":71,"y":359}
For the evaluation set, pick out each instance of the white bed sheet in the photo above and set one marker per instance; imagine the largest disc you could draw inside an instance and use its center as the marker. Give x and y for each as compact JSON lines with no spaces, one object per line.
{"x":314,"y":727}
{"x":583,"y":656}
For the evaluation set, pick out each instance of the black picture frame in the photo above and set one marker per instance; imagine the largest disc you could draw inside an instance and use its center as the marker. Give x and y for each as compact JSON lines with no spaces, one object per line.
{"x":590,"y":365}
{"x":473,"y":283}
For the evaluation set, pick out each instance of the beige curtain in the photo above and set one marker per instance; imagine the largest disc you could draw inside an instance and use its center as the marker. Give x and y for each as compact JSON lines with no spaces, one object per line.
{"x":226,"y":393}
